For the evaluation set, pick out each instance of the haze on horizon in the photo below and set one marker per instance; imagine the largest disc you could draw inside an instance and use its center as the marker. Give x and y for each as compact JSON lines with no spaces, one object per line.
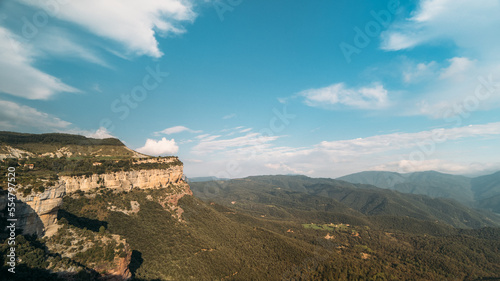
{"x":238,"y":88}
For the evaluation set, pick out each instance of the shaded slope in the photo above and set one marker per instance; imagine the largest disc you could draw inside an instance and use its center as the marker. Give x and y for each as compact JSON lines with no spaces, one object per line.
{"x":226,"y":242}
{"x":430,"y":183}
{"x":487,"y":191}
{"x":366,"y":199}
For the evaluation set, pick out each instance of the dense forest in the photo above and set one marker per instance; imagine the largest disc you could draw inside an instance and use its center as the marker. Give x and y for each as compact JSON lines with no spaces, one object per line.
{"x":256,"y":228}
{"x":231,"y":241}
{"x":19,"y":139}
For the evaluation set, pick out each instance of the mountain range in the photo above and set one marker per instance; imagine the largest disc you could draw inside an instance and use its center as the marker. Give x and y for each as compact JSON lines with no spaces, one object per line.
{"x":93,"y":209}
{"x":480,"y":192}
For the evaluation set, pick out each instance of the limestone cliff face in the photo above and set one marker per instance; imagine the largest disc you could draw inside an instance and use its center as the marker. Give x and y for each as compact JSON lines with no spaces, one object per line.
{"x":38,"y":213}
{"x":121,"y":271}
{"x":122,"y":181}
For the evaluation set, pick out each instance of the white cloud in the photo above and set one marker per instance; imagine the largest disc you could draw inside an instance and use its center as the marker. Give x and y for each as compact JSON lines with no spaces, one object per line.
{"x":207,"y":137}
{"x":458,"y":66}
{"x":202,"y":136}
{"x":396,"y":41}
{"x":97,"y":88}
{"x":60,"y":43}
{"x":17,"y":75}
{"x":417,"y":72}
{"x":469,"y":24}
{"x":211,"y":144}
{"x":20,"y":118}
{"x":229,"y":116}
{"x":281,"y":168}
{"x":395,"y":141}
{"x":161,"y":147}
{"x":374,"y":97}
{"x":459,"y":89}
{"x":441,"y":148}
{"x":451,"y":167}
{"x":245,"y":130}
{"x":463,"y":27}
{"x":101,"y":133}
{"x":176,"y":130}
{"x":430,"y":10}
{"x":134,"y":24}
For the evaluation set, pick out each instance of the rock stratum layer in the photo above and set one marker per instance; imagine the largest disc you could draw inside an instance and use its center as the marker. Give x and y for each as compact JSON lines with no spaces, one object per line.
{"x":124,"y":181}
{"x":37,"y":214}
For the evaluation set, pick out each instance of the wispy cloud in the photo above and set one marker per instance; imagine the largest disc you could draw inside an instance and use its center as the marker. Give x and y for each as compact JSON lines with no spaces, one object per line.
{"x":284,"y":168}
{"x":176,"y":130}
{"x":208,"y":145}
{"x":458,"y":66}
{"x":19,"y":77}
{"x":245,"y":130}
{"x":96,"y":87}
{"x":463,"y":27}
{"x":202,"y":136}
{"x":57,"y":42}
{"x":248,"y":155}
{"x":371,"y":97}
{"x":469,"y":24}
{"x":20,"y":117}
{"x":449,"y":83}
{"x":229,"y":116}
{"x":130,"y":23}
{"x":452,"y":167}
{"x":416,"y":72}
{"x":395,"y":141}
{"x":450,"y":87}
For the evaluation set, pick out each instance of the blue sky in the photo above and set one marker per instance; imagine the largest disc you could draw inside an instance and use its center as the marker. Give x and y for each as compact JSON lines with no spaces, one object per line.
{"x":239,"y":87}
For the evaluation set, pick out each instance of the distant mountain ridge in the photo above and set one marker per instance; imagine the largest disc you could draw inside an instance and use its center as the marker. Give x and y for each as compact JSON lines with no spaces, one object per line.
{"x":482,"y":192}
{"x":487,"y":191}
{"x":107,"y":213}
{"x":200,"y":179}
{"x":304,"y":193}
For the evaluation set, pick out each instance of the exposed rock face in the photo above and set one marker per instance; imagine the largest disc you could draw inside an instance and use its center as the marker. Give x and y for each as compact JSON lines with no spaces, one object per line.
{"x":38,"y":213}
{"x":121,"y":271}
{"x":142,"y":179}
{"x":170,"y":202}
{"x":135,"y":208}
{"x":11,"y":152}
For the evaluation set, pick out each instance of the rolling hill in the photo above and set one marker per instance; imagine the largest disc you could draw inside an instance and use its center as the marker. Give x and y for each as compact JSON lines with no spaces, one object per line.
{"x":481,"y":192}
{"x":116,"y":216}
{"x":487,"y":191}
{"x":19,"y":145}
{"x":346,"y":197}
{"x":430,"y":183}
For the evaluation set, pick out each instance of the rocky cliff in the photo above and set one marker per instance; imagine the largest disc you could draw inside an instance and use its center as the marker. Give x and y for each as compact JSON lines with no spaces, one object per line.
{"x":37,"y":213}
{"x":52,"y":167}
{"x":124,"y":181}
